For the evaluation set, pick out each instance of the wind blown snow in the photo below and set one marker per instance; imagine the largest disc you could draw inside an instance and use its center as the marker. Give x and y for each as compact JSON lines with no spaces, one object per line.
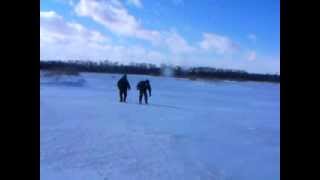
{"x":190,"y":130}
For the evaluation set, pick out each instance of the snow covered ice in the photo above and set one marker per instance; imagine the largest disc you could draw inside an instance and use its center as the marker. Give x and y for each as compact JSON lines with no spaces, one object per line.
{"x":191,"y":130}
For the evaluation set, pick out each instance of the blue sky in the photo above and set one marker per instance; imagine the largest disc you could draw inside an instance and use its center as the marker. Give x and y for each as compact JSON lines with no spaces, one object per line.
{"x":218,"y":33}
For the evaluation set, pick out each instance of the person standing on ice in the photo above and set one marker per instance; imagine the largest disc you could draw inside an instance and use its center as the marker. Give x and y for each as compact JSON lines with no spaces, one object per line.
{"x":123,"y":86}
{"x":143,"y":86}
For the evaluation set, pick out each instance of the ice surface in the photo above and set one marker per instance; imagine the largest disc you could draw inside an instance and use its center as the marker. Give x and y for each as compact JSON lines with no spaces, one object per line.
{"x":190,"y":130}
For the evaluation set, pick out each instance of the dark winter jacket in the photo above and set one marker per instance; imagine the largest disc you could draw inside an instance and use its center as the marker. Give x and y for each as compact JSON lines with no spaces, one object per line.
{"x":143,"y":86}
{"x":123,"y":83}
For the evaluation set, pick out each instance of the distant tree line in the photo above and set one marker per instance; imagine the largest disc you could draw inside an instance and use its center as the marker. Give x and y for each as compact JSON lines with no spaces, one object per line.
{"x":151,"y":69}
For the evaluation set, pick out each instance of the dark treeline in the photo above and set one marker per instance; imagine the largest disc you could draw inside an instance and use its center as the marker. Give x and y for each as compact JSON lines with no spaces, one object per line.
{"x":151,"y":69}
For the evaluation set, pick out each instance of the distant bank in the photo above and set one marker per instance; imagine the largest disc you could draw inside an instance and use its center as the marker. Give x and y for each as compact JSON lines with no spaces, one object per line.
{"x":208,"y":73}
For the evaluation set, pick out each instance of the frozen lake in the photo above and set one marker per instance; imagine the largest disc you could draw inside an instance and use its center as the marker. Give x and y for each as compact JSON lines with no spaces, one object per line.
{"x":220,"y":130}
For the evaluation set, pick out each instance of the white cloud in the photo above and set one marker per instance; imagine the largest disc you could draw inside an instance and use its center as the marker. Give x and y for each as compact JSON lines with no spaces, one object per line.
{"x":60,"y":39}
{"x":252,"y":37}
{"x":112,"y":15}
{"x":69,"y":2}
{"x":136,"y":3}
{"x":49,"y":14}
{"x":177,"y":44}
{"x":252,"y":56}
{"x":217,"y":43}
{"x":64,"y":40}
{"x":53,"y":29}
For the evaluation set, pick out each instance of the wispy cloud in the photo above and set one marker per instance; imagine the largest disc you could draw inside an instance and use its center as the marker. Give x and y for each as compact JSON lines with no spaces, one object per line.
{"x":53,"y":28}
{"x":136,"y":3}
{"x":252,"y":56}
{"x":60,"y":39}
{"x":69,"y":2}
{"x":113,"y":16}
{"x":218,"y":43}
{"x":177,"y":44}
{"x":252,"y":37}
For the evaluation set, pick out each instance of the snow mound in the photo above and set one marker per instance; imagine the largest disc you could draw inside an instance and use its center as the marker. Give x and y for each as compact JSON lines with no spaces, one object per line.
{"x":66,"y":80}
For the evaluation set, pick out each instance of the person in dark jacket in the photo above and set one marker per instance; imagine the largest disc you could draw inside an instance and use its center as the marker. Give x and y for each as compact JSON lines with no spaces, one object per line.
{"x":123,"y":86}
{"x":143,"y":87}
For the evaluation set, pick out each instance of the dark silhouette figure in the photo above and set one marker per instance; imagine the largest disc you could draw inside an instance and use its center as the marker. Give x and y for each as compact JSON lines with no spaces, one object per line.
{"x":143,"y":86}
{"x":123,"y":86}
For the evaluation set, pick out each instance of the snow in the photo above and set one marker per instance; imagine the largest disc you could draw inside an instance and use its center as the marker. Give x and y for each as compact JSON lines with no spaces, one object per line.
{"x":191,"y":130}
